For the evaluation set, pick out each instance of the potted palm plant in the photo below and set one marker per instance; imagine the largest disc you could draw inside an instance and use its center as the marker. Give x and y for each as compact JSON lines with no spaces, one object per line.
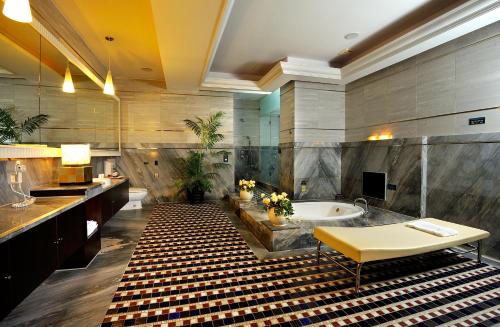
{"x":198,"y":173}
{"x":12,"y":131}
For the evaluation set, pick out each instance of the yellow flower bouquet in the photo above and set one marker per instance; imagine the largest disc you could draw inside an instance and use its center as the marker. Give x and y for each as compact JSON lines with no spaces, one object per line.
{"x":278,"y":206}
{"x":247,"y":185}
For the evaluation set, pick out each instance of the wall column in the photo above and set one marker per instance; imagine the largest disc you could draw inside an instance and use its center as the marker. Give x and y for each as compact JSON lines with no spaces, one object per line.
{"x":312,"y":125}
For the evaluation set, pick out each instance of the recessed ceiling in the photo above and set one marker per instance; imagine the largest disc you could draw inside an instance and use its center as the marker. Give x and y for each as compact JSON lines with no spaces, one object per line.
{"x":130,"y":23}
{"x":261,"y":32}
{"x":258,"y":45}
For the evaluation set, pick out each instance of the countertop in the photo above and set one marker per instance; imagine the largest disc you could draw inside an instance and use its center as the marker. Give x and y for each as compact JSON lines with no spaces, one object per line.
{"x":91,"y":189}
{"x":14,"y":221}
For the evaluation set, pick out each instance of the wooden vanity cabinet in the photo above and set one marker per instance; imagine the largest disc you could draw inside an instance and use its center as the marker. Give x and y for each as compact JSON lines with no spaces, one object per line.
{"x":113,"y":200}
{"x":5,"y":280}
{"x":71,"y":233}
{"x":30,"y":257}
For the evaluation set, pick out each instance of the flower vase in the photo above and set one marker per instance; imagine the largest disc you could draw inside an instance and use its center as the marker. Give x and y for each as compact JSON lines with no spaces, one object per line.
{"x":246,"y":196}
{"x":276,"y":220}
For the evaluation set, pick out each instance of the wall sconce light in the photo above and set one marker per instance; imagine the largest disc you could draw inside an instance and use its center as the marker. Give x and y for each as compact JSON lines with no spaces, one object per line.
{"x":75,"y":161}
{"x":380,"y":137}
{"x":18,"y":10}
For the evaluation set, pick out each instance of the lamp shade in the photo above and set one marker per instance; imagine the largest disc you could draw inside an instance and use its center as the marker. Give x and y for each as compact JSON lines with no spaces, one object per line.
{"x":68,"y":86}
{"x":18,"y":10}
{"x":75,"y":154}
{"x":108,"y":86}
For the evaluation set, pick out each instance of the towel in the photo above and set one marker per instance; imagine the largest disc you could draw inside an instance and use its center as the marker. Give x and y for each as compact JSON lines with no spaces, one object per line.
{"x":91,"y":227}
{"x":431,"y":228}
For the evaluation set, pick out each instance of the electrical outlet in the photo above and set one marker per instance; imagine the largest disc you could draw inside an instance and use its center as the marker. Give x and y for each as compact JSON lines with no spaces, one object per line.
{"x":157,"y":175}
{"x":477,"y":121}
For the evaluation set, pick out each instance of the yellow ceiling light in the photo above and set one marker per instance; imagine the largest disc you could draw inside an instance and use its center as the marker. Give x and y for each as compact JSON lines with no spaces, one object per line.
{"x":68,"y":86}
{"x":109,"y":88}
{"x":18,"y":10}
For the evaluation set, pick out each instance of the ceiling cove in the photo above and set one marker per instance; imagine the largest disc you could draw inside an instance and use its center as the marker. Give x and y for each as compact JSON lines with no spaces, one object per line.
{"x":261,"y":77}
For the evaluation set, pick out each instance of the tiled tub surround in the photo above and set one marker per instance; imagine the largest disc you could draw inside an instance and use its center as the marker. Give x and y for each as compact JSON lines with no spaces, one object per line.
{"x":191,"y":267}
{"x":401,"y":159}
{"x":298,"y":234}
{"x":139,"y":164}
{"x":463,"y":183}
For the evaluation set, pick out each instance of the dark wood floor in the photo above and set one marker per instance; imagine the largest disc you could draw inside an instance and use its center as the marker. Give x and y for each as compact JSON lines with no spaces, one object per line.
{"x":81,"y":297}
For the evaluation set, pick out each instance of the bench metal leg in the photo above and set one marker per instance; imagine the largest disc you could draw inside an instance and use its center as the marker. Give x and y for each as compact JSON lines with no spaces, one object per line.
{"x":358,"y":276}
{"x":479,"y":251}
{"x":318,"y":253}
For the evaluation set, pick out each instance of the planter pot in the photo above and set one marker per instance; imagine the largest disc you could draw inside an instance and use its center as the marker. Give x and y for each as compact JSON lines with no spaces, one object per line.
{"x":195,"y":196}
{"x":274,"y":219}
{"x":246,"y":196}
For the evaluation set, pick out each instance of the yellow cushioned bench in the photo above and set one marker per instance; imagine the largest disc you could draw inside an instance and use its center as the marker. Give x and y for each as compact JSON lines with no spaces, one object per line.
{"x":364,"y":244}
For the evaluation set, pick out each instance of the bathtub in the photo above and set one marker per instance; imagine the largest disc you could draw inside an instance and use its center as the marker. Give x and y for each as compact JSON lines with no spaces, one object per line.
{"x":325,"y":211}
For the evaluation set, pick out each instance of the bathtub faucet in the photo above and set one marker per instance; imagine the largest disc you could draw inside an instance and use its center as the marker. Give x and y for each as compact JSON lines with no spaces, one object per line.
{"x":366,"y":205}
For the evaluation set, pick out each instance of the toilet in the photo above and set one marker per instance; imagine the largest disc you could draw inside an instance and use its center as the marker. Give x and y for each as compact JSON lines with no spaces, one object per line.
{"x":135,"y":195}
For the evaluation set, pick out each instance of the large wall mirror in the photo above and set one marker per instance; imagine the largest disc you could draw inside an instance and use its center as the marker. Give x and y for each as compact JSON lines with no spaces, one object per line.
{"x":32,"y":73}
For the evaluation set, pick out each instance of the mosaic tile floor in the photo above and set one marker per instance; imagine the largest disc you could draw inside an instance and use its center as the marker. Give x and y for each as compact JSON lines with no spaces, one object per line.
{"x":191,"y":267}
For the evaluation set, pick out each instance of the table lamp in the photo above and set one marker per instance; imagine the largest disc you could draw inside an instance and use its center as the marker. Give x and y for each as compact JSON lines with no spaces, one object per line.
{"x":75,"y":164}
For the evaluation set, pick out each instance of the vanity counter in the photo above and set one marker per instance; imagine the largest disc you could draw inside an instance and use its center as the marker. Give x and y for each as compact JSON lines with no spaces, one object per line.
{"x":88,"y":190}
{"x":14,"y":221}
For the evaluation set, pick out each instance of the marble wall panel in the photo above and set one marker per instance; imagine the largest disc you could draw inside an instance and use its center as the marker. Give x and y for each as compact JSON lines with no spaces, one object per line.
{"x":400,"y":159}
{"x":286,"y":166}
{"x":38,"y":171}
{"x":463,"y":183}
{"x":319,"y":168}
{"x":159,"y":180}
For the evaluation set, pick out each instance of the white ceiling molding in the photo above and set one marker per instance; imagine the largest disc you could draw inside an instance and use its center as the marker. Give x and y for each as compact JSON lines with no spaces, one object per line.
{"x":464,"y":19}
{"x":231,"y":83}
{"x":296,"y":69}
{"x":216,"y":38}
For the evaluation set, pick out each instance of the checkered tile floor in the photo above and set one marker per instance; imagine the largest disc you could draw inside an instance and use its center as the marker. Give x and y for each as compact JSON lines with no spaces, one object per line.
{"x":191,"y":267}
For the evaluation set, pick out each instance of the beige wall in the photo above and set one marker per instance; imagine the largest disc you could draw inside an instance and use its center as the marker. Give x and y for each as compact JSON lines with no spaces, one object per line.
{"x":434,"y":93}
{"x":312,"y":112}
{"x":155,"y":138}
{"x":158,"y":117}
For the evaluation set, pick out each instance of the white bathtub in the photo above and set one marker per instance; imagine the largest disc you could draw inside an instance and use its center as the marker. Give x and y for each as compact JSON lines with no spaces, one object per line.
{"x":325,"y":210}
